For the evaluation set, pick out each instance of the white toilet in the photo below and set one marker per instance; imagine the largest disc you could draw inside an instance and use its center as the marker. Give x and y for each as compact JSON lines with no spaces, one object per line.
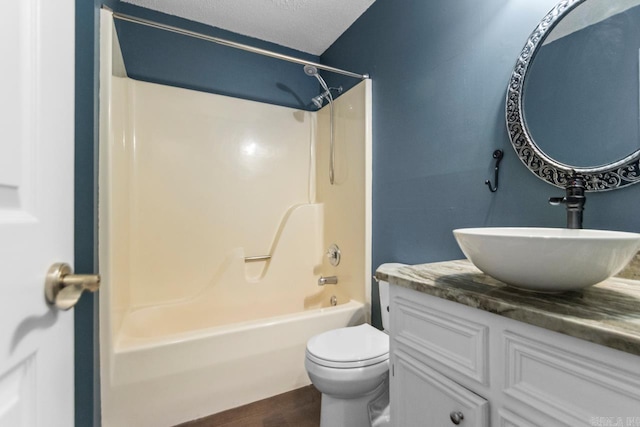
{"x":350,"y":367}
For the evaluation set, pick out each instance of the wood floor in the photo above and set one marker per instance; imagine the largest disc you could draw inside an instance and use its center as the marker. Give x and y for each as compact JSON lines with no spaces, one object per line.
{"x":297,"y":408}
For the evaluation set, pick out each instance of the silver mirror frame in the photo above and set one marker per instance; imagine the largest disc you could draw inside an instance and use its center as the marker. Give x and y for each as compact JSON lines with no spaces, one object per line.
{"x":601,"y":178}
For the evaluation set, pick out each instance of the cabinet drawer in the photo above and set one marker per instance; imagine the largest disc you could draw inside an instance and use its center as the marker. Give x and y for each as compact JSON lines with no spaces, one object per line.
{"x":443,"y":338}
{"x":572,"y":388}
{"x":421,"y":396}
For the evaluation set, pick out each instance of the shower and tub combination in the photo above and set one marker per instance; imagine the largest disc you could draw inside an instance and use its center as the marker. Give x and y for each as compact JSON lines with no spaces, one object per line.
{"x":215,"y":218}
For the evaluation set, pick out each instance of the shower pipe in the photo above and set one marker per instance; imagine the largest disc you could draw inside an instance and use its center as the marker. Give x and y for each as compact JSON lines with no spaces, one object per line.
{"x":312,"y":71}
{"x":234,"y":45}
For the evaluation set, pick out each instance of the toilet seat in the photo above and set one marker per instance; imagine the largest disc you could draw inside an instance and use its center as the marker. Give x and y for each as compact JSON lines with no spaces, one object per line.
{"x":350,"y":347}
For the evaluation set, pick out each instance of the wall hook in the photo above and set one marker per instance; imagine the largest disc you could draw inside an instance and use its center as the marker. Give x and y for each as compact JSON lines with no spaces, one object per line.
{"x":498,"y":156}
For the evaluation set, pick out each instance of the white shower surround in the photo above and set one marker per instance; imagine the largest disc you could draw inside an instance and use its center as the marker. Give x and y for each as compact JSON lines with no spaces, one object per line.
{"x":168,"y":354}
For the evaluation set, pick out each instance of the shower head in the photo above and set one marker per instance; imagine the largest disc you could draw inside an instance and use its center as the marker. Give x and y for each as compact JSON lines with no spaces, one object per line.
{"x":318,"y":100}
{"x":310,"y":70}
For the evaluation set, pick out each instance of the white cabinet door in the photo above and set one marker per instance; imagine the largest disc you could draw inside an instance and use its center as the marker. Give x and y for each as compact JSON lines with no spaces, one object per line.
{"x":36,"y":209}
{"x":421,"y":396}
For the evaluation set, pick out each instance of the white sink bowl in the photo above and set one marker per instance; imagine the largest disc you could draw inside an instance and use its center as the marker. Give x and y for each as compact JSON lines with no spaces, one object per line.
{"x":548,"y":259}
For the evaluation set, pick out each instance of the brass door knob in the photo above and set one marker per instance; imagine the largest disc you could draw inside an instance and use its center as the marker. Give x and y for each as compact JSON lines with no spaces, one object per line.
{"x":63,"y":289}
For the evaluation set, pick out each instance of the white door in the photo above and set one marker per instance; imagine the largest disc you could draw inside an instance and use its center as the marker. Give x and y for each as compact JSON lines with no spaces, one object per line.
{"x":36,"y":209}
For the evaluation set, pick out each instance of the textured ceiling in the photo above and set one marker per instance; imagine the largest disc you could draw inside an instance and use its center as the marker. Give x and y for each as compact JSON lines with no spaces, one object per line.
{"x":307,"y":25}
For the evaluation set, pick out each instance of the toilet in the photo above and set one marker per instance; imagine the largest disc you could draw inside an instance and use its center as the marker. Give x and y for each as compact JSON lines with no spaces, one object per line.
{"x":350,"y":367}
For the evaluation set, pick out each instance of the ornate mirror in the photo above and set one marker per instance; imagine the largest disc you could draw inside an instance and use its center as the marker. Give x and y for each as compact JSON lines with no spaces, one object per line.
{"x":573,"y":101}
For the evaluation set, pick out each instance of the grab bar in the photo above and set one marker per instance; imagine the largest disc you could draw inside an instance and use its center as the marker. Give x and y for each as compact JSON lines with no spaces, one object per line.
{"x":257,"y":258}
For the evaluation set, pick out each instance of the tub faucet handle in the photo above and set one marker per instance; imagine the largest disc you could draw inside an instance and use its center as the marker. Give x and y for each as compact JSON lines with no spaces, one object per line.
{"x":334,"y":255}
{"x":329,"y":280}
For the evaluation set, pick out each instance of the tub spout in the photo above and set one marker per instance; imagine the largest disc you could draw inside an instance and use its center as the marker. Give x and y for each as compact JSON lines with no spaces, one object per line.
{"x":330,"y":280}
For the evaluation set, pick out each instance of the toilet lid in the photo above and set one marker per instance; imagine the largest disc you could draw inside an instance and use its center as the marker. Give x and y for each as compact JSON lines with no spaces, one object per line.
{"x":353,"y":346}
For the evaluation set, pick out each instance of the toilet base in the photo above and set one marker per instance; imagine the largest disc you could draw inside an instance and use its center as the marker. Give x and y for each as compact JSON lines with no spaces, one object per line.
{"x":355,"y":412}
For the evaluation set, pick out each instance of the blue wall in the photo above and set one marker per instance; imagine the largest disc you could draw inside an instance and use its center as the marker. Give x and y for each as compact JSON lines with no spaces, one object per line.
{"x":440,"y":70}
{"x":86,"y":355}
{"x":163,"y":57}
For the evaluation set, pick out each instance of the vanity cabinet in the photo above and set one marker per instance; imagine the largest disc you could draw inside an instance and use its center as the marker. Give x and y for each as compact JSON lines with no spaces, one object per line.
{"x":448,"y":358}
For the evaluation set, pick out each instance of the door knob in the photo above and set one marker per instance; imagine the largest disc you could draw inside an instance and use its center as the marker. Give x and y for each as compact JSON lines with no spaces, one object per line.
{"x":63,"y":289}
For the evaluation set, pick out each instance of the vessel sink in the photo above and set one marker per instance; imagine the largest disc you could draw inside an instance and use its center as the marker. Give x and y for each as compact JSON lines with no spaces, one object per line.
{"x":548,"y":259}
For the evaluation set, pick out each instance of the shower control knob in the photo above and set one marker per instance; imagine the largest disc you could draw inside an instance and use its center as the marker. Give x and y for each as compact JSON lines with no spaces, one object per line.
{"x":63,"y":289}
{"x":334,"y":255}
{"x":456,"y":417}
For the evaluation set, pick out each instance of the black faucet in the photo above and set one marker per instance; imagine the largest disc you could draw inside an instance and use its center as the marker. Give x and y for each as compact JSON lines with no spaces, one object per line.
{"x":575,"y":200}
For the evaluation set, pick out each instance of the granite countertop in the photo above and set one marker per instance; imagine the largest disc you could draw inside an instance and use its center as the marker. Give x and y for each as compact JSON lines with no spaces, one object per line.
{"x":607,"y":314}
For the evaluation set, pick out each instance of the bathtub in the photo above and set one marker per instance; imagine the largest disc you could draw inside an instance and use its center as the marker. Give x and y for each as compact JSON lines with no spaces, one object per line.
{"x":191,"y":371}
{"x":193,"y":187}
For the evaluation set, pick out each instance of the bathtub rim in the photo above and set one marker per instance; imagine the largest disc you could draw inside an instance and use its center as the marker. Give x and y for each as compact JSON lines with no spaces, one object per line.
{"x":133,"y":344}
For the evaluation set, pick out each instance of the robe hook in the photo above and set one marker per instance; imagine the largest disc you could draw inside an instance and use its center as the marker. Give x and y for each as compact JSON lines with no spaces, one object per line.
{"x":498,"y":154}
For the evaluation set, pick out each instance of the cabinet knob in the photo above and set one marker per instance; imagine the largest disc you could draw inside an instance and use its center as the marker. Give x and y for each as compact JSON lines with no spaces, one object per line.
{"x":456,"y":417}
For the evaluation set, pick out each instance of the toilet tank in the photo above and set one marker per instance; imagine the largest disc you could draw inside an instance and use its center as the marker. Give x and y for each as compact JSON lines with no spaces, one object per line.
{"x":383,"y":292}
